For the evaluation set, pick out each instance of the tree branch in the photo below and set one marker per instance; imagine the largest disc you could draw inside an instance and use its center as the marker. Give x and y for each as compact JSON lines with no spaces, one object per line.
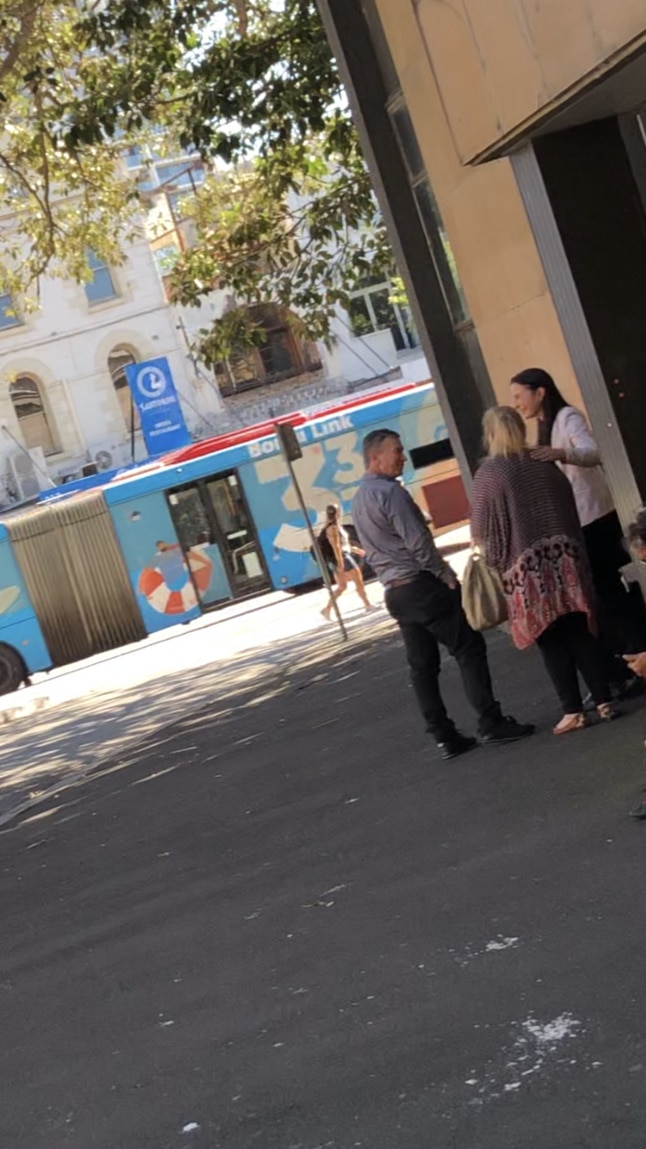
{"x":26,"y":16}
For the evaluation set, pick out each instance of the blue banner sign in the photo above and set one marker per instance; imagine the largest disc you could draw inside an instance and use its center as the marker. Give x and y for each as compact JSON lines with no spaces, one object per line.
{"x":155,"y":397}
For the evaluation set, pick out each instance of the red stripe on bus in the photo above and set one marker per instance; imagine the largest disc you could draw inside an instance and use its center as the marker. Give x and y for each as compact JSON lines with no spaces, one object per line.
{"x":263,"y":430}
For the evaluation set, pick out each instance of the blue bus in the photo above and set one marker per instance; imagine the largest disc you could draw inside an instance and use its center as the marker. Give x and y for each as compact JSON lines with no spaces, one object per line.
{"x":90,"y":570}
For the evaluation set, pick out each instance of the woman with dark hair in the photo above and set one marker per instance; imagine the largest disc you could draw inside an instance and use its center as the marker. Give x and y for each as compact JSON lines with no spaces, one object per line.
{"x":525,"y":520}
{"x":345,"y":567}
{"x":564,"y":438}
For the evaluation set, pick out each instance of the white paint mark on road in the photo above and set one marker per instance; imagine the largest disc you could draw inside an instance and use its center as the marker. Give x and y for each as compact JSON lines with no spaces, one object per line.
{"x":536,"y":1044}
{"x":496,"y":945}
{"x":192,"y":1127}
{"x":549,"y":1035}
{"x":501,"y":943}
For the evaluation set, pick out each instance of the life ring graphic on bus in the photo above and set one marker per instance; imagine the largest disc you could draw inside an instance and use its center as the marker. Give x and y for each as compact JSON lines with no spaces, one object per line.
{"x":167,"y":586}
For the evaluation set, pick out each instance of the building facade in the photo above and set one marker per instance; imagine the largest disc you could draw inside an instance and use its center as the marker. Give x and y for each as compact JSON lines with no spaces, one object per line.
{"x":64,"y":399}
{"x":65,"y":405}
{"x":376,"y":343}
{"x":506,"y":143}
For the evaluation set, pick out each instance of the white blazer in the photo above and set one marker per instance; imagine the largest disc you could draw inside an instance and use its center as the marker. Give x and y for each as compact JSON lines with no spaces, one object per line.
{"x":582,"y":465}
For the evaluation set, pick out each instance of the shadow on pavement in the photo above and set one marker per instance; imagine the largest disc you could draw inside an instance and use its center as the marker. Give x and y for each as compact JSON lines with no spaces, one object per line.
{"x":282,"y":921}
{"x":40,"y":752}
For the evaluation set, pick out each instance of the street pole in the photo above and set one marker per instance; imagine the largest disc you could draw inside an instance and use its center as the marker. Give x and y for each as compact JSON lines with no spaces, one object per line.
{"x":291,"y":450}
{"x":132,"y":427}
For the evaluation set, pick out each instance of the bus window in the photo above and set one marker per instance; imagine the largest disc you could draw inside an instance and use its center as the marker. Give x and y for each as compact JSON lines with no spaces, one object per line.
{"x":200,"y":545}
{"x":431,"y":453}
{"x":190,"y":518}
{"x":242,"y":552}
{"x":218,"y":538}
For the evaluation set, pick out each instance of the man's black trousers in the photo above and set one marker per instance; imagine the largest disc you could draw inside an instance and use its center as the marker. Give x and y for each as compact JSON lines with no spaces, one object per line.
{"x":430,"y":615}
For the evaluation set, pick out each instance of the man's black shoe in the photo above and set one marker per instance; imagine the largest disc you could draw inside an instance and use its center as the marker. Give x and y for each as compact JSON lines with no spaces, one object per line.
{"x":456,"y":744}
{"x":507,"y":730}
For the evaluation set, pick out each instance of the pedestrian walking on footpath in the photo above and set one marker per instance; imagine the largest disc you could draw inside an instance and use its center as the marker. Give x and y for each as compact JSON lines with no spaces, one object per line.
{"x":564,"y":438}
{"x":423,"y":596}
{"x":524,"y":518}
{"x":343,"y":556}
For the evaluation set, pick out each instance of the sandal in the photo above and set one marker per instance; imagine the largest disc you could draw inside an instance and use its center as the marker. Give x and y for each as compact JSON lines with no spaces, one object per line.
{"x":607,"y":712}
{"x":570,"y":722}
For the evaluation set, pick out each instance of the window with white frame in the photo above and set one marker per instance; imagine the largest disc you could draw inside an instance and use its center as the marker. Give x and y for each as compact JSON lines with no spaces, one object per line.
{"x":188,"y":173}
{"x":373,"y":309}
{"x":100,"y":287}
{"x":134,"y":157}
{"x":28,"y":404}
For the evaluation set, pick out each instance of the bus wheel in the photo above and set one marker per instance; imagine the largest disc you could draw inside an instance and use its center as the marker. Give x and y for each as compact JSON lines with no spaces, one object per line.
{"x":12,"y":669}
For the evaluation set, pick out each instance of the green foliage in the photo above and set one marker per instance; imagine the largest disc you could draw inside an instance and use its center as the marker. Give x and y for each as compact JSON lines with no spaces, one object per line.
{"x":306,"y":253}
{"x":59,"y":198}
{"x":249,"y":84}
{"x":398,"y":293}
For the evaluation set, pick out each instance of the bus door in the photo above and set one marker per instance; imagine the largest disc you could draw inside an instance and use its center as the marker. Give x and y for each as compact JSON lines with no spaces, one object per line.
{"x":218,"y":537}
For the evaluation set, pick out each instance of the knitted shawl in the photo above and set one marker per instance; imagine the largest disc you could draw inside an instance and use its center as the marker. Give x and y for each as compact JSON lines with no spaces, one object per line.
{"x":525,"y":520}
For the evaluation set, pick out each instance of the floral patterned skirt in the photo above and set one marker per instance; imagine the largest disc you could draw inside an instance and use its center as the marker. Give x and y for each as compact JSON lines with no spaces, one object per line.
{"x":549,"y":579}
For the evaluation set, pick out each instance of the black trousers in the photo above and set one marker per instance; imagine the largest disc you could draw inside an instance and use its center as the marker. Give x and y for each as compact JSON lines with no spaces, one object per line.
{"x":622,"y":620}
{"x":430,"y":614}
{"x":567,"y":646}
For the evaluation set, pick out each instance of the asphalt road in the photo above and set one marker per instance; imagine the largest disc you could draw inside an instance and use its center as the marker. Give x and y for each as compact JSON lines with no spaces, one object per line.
{"x":284,"y":923}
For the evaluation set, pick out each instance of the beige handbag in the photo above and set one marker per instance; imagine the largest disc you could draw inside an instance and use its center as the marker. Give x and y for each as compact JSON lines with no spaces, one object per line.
{"x":483,"y":598}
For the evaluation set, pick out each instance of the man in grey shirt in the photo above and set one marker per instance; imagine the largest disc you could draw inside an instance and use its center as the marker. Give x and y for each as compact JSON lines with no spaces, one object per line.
{"x":423,"y":596}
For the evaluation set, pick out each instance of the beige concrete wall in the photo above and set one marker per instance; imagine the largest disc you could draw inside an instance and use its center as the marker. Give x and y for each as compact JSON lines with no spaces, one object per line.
{"x":486,"y":223}
{"x":502,"y":63}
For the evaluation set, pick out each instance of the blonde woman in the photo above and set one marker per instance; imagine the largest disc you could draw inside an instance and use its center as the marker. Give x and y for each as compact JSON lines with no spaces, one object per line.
{"x":525,"y":520}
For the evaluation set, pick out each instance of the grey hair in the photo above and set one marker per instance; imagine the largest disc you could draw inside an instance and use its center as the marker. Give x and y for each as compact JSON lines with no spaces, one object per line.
{"x":374,"y":440}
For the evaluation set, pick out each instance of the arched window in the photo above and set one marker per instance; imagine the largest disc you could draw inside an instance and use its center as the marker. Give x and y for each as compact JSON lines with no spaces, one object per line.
{"x":118,"y":359}
{"x":281,"y":354}
{"x":32,"y":418}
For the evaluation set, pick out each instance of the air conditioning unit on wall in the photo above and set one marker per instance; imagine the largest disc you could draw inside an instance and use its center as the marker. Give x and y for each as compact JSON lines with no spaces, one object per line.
{"x":108,"y":457}
{"x":28,"y":472}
